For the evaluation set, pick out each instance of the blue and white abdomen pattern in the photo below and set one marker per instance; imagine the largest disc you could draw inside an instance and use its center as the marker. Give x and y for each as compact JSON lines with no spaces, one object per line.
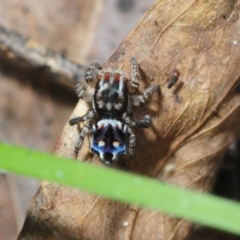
{"x":108,"y":140}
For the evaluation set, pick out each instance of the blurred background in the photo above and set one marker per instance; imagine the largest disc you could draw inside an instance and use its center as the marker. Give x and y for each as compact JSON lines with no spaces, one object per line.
{"x":33,"y":107}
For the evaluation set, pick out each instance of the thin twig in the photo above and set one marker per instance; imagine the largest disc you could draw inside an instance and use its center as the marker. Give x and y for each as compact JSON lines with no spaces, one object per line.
{"x":26,"y":50}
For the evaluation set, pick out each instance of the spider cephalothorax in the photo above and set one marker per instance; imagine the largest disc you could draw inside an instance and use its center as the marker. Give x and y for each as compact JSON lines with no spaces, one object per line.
{"x":110,"y":118}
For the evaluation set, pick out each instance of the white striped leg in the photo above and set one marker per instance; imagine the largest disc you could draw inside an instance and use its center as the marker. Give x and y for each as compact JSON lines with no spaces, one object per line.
{"x":88,"y":116}
{"x":132,"y":121}
{"x":132,"y":141}
{"x":138,"y":99}
{"x":87,"y":127}
{"x":91,"y":72}
{"x":134,"y":82}
{"x":86,"y":95}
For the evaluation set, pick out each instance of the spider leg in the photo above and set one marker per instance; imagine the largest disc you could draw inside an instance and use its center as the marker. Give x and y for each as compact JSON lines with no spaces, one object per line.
{"x":91,"y":73}
{"x":80,"y":91}
{"x":86,"y":95}
{"x":81,"y":138}
{"x":90,"y":76}
{"x":88,"y":116}
{"x":138,"y":99}
{"x":132,"y":141}
{"x":134,"y":82}
{"x":132,"y":121}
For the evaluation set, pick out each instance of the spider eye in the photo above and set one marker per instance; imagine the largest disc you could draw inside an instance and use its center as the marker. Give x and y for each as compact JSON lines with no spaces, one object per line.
{"x":116,"y":144}
{"x":107,"y":76}
{"x":117,"y":77}
{"x":101,"y":143}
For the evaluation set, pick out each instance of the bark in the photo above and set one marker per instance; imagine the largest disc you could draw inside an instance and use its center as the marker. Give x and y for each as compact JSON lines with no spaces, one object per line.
{"x":193,"y":123}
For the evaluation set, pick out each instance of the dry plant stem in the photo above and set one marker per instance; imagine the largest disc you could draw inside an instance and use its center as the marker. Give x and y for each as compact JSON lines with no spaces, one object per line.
{"x":28,"y":51}
{"x":200,"y":39}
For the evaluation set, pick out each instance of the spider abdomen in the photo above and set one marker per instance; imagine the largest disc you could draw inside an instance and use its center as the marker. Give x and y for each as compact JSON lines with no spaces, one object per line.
{"x":108,"y":140}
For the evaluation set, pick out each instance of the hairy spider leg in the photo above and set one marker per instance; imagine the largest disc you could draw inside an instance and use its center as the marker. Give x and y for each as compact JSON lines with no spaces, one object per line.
{"x":132,"y":141}
{"x":87,"y":127}
{"x":91,"y":72}
{"x":134,"y":122}
{"x":90,"y":76}
{"x":134,"y":82}
{"x":91,"y":113}
{"x":86,"y":95}
{"x":138,"y":99}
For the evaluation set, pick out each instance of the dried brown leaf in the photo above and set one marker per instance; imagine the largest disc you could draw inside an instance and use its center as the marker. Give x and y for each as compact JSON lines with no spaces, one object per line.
{"x":193,"y":123}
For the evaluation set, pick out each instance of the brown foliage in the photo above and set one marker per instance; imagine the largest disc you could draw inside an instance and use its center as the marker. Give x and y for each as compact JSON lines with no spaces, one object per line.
{"x":193,"y":123}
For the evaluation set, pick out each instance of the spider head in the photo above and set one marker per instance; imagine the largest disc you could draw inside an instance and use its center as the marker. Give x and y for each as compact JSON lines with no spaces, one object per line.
{"x":109,"y":140}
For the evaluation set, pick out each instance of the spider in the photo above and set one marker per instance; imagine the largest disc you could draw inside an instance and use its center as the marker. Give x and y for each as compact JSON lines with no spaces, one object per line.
{"x":111,"y":118}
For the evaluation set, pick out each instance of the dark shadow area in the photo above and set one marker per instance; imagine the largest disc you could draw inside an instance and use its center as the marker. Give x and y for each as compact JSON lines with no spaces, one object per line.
{"x":40,"y":81}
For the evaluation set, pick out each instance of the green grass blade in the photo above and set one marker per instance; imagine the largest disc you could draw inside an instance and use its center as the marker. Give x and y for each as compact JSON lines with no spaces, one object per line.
{"x":200,"y":208}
